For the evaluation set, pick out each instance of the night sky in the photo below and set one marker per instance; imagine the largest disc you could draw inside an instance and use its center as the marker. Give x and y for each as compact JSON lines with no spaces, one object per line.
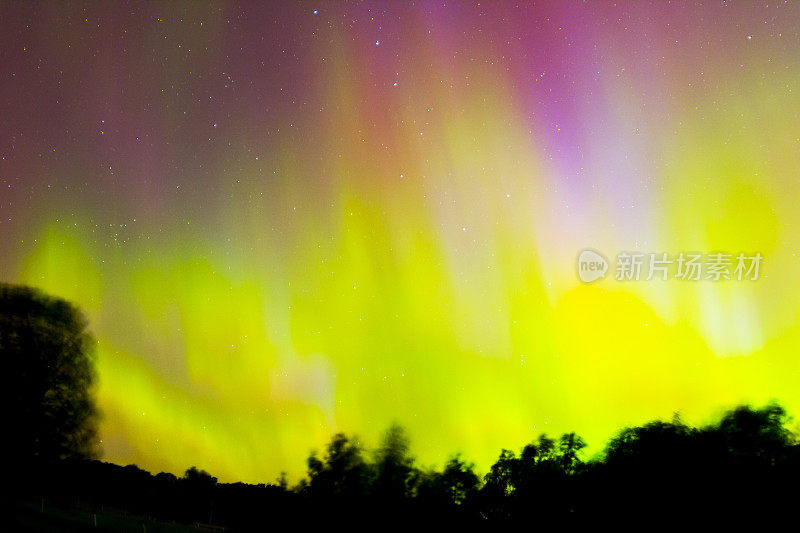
{"x":289,"y":219}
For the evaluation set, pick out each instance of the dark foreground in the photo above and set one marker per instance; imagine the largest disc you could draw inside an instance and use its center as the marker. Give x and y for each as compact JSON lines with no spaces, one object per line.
{"x":744,"y":466}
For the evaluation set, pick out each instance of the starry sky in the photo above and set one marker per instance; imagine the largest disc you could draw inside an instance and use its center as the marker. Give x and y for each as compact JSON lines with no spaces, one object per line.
{"x":288,"y":219}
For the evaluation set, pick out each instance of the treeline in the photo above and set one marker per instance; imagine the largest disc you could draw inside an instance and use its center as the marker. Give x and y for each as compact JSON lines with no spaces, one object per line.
{"x":746,"y":463}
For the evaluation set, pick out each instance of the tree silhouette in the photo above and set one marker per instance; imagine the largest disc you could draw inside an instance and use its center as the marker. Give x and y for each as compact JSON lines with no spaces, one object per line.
{"x":341,"y":474}
{"x":48,"y":355}
{"x":200,"y":489}
{"x":755,"y":435}
{"x":394,"y":468}
{"x":456,"y":484}
{"x":745,"y":465}
{"x":569,"y":449}
{"x":199,"y":478}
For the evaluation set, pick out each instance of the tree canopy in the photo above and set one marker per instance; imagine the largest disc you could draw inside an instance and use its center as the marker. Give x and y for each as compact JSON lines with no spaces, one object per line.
{"x":47,"y":352}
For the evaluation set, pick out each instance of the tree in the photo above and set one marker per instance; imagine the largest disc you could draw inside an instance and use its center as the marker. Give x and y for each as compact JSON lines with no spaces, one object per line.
{"x":200,"y":489}
{"x":199,"y":478}
{"x":457,"y":482}
{"x":500,"y":479}
{"x":342,"y":473}
{"x":498,"y":488}
{"x":48,"y":354}
{"x":751,"y":435}
{"x":570,"y":446}
{"x":393,"y":466}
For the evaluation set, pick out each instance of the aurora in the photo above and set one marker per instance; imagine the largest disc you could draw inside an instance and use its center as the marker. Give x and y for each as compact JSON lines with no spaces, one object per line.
{"x":287,"y":220}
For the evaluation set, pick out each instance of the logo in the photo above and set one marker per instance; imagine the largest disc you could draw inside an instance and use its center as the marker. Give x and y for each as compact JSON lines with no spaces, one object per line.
{"x":635,"y":266}
{"x":591,"y":266}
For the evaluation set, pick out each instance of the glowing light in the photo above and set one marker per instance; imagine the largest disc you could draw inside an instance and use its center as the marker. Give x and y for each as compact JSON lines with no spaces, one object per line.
{"x":259,"y":304}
